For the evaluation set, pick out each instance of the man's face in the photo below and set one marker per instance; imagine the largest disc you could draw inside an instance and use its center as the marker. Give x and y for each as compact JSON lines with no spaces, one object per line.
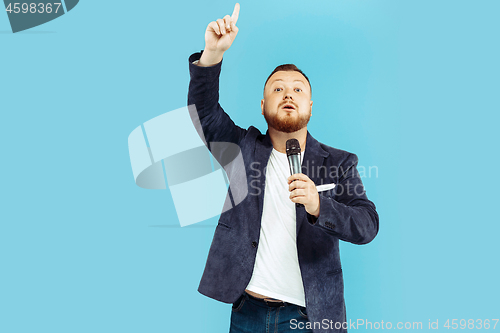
{"x":287,"y":104}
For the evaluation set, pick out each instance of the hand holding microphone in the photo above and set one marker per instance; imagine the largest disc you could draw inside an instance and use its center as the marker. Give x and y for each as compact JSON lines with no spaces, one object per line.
{"x":302,"y":188}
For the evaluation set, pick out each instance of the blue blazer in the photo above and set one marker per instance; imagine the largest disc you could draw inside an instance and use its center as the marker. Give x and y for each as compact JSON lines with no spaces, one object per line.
{"x":345,"y":211}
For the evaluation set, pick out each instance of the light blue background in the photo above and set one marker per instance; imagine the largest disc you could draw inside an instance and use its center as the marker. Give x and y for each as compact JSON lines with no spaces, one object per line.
{"x":409,"y":86}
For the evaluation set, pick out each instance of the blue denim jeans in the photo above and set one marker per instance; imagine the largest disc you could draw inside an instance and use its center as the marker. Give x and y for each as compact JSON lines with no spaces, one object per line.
{"x":251,"y":315}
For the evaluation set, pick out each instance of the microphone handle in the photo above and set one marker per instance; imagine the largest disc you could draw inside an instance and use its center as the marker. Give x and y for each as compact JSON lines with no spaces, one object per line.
{"x":295,"y":167}
{"x":294,"y":161}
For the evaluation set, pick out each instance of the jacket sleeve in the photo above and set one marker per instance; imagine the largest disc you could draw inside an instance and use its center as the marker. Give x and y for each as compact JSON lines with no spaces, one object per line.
{"x":348,"y":215}
{"x":210,"y":120}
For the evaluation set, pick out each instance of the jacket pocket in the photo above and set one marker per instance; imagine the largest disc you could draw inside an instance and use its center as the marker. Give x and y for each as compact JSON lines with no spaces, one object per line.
{"x":334,"y":272}
{"x":223,"y":226}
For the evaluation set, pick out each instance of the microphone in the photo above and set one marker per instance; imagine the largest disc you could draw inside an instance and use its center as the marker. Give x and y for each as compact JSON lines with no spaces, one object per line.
{"x":293,"y":155}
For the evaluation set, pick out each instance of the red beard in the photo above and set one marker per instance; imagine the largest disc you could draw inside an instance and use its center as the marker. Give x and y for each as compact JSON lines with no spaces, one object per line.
{"x":286,"y":123}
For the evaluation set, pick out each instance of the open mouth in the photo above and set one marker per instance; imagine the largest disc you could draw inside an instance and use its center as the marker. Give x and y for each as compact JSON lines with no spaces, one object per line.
{"x":288,"y":107}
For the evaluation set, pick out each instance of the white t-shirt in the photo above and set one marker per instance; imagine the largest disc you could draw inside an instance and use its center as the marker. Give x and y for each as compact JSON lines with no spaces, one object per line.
{"x":276,"y":272}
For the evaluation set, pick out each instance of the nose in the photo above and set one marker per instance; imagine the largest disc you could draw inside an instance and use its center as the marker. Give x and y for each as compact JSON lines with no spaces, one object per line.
{"x":288,"y":96}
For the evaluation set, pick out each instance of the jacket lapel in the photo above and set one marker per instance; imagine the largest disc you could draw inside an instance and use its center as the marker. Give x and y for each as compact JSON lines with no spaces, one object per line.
{"x":263,"y":151}
{"x":314,"y":158}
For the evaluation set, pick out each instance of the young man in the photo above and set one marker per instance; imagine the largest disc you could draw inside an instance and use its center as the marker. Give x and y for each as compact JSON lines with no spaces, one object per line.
{"x":275,"y":255}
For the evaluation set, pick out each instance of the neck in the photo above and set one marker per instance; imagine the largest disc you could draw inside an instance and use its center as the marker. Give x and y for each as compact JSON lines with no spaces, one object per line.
{"x":279,"y":139}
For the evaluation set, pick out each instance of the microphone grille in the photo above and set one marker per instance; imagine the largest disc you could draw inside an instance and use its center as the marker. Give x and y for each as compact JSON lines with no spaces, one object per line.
{"x":292,"y":147}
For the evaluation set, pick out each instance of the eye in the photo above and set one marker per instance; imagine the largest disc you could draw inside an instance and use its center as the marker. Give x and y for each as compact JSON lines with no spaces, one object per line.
{"x":278,"y":89}
{"x":298,"y":89}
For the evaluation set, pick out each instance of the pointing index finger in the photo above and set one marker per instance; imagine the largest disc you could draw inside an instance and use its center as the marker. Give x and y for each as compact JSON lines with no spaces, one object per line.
{"x":236,"y":13}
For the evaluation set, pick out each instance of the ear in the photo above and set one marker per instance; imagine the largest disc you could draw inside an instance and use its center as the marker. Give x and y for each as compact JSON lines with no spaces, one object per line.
{"x":311,"y":107}
{"x":262,"y":106}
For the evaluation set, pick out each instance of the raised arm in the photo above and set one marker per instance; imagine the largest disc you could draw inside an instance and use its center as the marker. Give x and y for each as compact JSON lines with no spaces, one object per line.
{"x":210,"y":120}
